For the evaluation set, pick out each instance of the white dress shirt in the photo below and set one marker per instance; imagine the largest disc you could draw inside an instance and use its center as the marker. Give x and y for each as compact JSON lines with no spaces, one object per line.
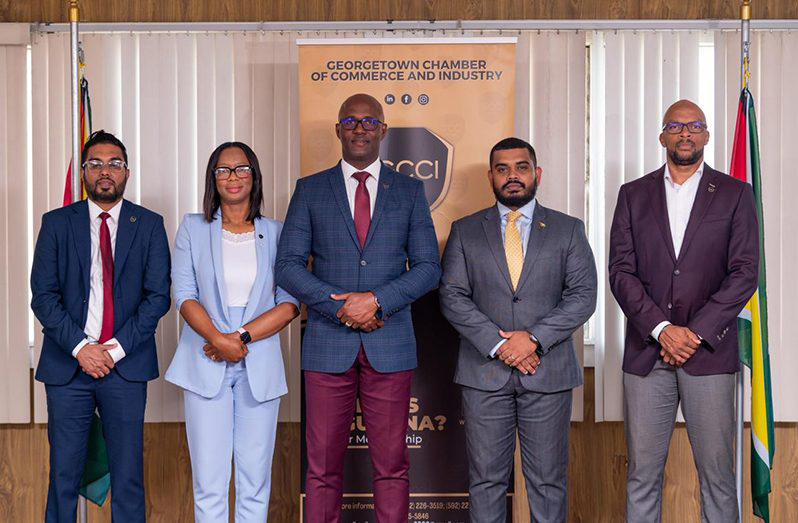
{"x":523,"y":224}
{"x":679,"y":200}
{"x":94,"y":319}
{"x":240,"y":263}
{"x":351,"y":182}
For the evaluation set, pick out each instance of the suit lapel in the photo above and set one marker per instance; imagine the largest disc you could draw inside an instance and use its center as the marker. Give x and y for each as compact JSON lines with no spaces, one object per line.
{"x":537,"y":235}
{"x":492,"y":226}
{"x":336,"y":177}
{"x":660,"y":209}
{"x":216,"y":253}
{"x":81,"y":232}
{"x":125,"y":232}
{"x":707,"y":187}
{"x":262,"y":248}
{"x":383,"y":186}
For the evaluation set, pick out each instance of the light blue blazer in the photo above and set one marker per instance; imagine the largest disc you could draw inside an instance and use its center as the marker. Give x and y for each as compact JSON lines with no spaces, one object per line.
{"x":197,"y":274}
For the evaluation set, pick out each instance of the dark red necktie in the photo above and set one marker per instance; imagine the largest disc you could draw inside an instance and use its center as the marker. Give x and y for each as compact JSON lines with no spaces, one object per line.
{"x":362,"y":207}
{"x":108,"y":280}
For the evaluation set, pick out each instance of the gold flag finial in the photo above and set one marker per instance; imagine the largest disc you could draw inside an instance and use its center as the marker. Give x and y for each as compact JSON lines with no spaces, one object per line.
{"x":745,"y":10}
{"x":74,"y":12}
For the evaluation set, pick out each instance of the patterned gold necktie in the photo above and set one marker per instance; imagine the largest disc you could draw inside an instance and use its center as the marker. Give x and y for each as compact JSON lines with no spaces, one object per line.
{"x":513,"y":250}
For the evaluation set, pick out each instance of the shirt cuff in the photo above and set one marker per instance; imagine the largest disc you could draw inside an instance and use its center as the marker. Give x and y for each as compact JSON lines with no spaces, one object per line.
{"x":496,"y":347}
{"x":117,"y":353}
{"x":658,"y":330}
{"x":80,"y":345}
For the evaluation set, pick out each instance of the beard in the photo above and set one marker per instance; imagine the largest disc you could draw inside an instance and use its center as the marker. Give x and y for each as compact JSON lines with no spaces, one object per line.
{"x":100,"y":196}
{"x":694,"y":157}
{"x":519,"y":199}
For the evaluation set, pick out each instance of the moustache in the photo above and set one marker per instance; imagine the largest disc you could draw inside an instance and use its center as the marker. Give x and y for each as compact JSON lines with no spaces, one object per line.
{"x":521,"y":184}
{"x":682,"y":142}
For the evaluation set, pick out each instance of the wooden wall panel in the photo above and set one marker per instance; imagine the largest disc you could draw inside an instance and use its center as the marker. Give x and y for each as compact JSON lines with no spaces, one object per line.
{"x":596,"y":480}
{"x":338,"y":10}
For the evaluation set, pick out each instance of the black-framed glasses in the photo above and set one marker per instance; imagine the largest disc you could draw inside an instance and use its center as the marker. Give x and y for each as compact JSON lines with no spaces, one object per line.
{"x":242,"y":171}
{"x":115,"y":166}
{"x":369,"y":124}
{"x":677,"y":127}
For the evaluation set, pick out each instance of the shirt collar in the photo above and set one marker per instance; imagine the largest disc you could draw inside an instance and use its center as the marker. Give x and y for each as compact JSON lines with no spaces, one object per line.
{"x":526,"y":211}
{"x":696,"y":175}
{"x":373,"y":169}
{"x":95,"y":210}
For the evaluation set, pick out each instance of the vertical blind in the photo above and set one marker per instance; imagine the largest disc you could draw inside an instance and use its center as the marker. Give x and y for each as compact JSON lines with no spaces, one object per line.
{"x":14,"y":312}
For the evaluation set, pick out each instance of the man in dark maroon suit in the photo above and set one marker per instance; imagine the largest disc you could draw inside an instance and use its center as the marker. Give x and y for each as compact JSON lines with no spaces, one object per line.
{"x":684,"y":260}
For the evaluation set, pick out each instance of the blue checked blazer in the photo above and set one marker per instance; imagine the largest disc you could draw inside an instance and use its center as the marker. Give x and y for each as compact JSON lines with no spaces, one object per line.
{"x":399,"y":264}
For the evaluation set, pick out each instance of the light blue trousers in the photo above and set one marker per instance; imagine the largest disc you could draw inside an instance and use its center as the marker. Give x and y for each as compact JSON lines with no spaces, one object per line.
{"x":231,"y":425}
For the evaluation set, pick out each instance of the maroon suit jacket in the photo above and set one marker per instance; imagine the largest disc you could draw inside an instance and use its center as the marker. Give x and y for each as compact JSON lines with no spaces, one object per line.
{"x":703,"y":287}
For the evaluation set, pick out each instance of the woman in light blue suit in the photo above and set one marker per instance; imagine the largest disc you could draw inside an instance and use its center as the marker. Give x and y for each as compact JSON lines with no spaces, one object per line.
{"x":228,"y":360}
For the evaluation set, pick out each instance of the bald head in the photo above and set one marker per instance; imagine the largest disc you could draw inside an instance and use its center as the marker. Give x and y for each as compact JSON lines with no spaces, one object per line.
{"x":360,"y":99}
{"x":682,"y":106}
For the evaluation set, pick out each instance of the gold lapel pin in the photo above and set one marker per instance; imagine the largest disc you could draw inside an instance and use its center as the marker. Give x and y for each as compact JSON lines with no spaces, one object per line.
{"x":711,"y":187}
{"x":541,"y":225}
{"x":132,"y":219}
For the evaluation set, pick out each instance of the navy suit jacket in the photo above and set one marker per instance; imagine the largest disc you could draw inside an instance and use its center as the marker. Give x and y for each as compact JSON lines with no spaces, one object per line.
{"x":702,"y":287}
{"x":399,"y":264}
{"x":60,"y":285}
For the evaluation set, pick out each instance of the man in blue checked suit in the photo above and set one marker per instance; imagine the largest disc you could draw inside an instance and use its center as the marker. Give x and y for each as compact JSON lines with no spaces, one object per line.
{"x":371,"y":236}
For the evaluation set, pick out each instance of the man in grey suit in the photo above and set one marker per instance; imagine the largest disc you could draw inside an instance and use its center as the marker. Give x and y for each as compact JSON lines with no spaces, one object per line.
{"x":518,"y":280}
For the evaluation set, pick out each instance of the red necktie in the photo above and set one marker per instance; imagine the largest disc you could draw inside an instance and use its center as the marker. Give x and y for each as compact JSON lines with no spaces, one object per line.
{"x":108,"y":280}
{"x":362,"y":207}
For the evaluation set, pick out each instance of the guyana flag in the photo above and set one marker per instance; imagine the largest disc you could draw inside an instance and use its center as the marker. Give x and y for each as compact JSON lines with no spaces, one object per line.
{"x":96,"y":480}
{"x":752,"y":322}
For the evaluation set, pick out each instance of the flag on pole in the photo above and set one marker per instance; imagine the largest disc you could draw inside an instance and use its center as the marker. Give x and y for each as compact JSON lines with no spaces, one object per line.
{"x":85,"y":132}
{"x":752,"y":323}
{"x":96,"y":480}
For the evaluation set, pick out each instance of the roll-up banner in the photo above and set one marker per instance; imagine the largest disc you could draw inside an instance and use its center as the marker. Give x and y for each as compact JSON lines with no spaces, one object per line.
{"x":446,"y":102}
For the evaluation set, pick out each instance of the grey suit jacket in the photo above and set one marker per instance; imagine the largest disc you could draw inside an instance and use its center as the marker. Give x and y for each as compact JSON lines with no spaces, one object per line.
{"x":556,"y":294}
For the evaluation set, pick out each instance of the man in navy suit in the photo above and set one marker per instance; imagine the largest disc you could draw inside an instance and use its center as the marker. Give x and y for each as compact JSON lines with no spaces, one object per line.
{"x":369,"y":231}
{"x":100,"y":283}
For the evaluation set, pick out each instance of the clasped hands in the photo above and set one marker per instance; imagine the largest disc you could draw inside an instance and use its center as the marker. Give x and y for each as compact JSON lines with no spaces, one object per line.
{"x":358,"y":311}
{"x":519,"y":351}
{"x":226,"y":347}
{"x":678,"y":344}
{"x":94,"y":359}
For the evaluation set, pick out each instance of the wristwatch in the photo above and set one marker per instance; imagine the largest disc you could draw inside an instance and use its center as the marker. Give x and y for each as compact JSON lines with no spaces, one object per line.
{"x":244,"y":336}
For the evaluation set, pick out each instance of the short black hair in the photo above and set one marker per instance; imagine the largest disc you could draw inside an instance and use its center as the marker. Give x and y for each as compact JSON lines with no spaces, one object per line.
{"x":514,"y":143}
{"x":102,"y":137}
{"x":211,"y":200}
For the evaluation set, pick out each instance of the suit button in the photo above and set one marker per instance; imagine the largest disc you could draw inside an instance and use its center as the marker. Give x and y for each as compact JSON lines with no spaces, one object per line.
{"x":676,"y":272}
{"x":363,"y":263}
{"x":670,"y":306}
{"x":516,"y":299}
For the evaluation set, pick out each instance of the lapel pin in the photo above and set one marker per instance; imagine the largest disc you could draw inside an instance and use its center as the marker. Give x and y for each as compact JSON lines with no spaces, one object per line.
{"x":132,"y":219}
{"x":385,"y":185}
{"x":541,"y":225}
{"x":260,"y":236}
{"x":711,"y":187}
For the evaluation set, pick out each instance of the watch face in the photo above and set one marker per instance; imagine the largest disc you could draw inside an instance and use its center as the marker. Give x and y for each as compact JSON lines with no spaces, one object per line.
{"x":245,"y":337}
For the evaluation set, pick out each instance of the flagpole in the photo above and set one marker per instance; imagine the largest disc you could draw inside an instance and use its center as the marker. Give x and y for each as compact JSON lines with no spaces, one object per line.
{"x":74,"y":17}
{"x":745,"y":19}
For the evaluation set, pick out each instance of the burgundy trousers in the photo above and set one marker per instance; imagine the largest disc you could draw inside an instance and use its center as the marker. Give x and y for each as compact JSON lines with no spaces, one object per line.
{"x":329,"y":409}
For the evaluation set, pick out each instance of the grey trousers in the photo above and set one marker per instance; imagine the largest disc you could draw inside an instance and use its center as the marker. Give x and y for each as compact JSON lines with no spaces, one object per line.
{"x":650,"y":404}
{"x":543,"y":422}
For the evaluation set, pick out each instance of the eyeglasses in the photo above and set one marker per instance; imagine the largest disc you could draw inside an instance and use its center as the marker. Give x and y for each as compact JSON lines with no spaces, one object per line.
{"x":115,"y":166}
{"x":677,"y":127}
{"x":242,"y":171}
{"x":369,"y":124}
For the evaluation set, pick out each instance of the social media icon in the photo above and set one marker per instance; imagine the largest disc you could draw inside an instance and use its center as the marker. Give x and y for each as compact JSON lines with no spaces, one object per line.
{"x":407,"y":99}
{"x":423,"y":99}
{"x":390,"y":99}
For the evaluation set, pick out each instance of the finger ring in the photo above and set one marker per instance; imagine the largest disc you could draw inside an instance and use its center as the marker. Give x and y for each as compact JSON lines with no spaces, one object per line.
{"x":511,"y":358}
{"x":213,"y":357}
{"x":348,"y":324}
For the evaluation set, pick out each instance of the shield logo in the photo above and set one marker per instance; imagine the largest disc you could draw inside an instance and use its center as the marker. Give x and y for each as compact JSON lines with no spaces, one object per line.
{"x":422,"y":154}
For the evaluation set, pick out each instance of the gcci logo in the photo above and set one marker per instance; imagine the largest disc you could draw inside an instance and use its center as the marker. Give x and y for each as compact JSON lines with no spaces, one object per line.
{"x":422,"y":154}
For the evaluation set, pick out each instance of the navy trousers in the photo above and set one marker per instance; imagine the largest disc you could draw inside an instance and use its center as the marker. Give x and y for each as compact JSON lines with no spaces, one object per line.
{"x":70,"y":409}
